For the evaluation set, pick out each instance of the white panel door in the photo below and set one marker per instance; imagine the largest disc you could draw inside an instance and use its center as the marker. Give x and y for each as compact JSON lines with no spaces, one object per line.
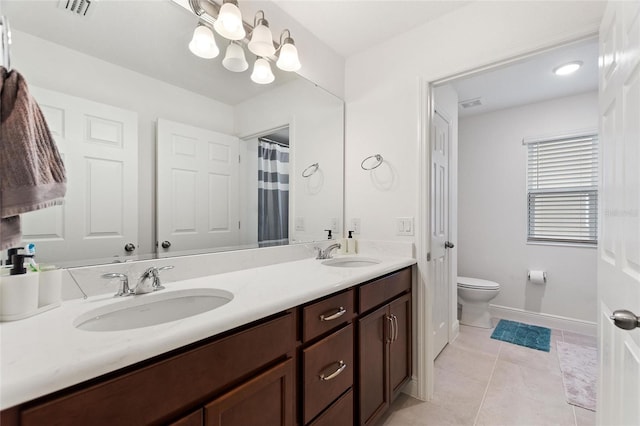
{"x":99,"y":146}
{"x":619,"y":213}
{"x":198,"y":194}
{"x":440,"y":151}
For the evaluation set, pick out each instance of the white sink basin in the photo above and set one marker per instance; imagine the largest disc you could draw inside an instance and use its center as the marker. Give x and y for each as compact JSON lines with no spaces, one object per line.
{"x":152,"y":309}
{"x":351,"y":262}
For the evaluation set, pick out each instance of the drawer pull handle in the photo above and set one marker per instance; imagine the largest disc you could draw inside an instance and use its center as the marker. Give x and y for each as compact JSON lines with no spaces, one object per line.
{"x":340,"y":369}
{"x":395,"y":327}
{"x":341,"y":312}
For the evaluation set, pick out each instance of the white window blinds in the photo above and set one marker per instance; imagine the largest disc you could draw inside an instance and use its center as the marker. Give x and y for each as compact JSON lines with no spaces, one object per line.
{"x":562,"y":187}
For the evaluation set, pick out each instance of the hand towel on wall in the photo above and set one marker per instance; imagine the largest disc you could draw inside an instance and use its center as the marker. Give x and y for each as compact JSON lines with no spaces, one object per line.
{"x":32,"y":174}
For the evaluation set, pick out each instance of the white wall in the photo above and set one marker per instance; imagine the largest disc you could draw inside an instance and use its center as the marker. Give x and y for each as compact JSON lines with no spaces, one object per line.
{"x":493,"y":210}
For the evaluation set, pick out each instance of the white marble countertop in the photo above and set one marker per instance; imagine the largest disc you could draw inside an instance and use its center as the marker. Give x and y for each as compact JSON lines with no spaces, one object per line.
{"x":46,"y":353}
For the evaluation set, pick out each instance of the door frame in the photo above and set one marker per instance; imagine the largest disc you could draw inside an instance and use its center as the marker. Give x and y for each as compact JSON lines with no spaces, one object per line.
{"x":423,"y":384}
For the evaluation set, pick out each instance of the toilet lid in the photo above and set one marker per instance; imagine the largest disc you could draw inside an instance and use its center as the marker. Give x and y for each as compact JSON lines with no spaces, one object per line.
{"x":467,"y":282}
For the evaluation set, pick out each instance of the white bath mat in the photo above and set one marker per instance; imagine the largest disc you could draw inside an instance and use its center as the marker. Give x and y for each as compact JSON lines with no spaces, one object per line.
{"x":579,"y":366}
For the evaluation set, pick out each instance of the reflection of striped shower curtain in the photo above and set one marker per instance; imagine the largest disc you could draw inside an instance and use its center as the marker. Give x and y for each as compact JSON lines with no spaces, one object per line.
{"x":273,"y":194}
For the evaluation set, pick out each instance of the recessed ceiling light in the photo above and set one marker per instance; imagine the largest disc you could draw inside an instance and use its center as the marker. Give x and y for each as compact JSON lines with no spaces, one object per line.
{"x":567,"y":69}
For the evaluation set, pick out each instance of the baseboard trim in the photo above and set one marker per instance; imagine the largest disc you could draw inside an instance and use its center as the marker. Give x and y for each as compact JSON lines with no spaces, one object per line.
{"x":411,"y":388}
{"x":544,"y":320}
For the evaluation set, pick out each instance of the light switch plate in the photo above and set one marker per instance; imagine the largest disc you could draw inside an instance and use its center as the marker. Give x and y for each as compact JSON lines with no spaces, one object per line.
{"x":404,"y":226}
{"x":355,"y":225}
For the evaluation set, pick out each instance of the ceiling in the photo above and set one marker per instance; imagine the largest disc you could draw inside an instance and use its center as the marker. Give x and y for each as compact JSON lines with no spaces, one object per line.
{"x":149,"y":37}
{"x":351,"y":26}
{"x":531,"y":80}
{"x":347,"y":26}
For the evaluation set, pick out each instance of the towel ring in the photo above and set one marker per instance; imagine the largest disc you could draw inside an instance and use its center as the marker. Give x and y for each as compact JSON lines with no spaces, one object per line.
{"x":378,"y":158}
{"x":310,"y":170}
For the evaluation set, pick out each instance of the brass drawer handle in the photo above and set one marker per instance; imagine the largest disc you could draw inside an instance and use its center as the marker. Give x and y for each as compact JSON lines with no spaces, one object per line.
{"x":341,"y":367}
{"x":341,"y":312}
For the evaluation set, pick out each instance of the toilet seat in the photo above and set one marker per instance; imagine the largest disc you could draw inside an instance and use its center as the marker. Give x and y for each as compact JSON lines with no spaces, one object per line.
{"x":477,"y":284}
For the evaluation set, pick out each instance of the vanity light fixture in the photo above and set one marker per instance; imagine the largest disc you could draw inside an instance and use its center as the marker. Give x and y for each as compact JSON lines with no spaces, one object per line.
{"x":229,"y":22}
{"x":567,"y":69}
{"x":262,"y":73}
{"x":261,"y":39}
{"x":288,"y":54}
{"x":203,"y":43}
{"x":234,"y":59}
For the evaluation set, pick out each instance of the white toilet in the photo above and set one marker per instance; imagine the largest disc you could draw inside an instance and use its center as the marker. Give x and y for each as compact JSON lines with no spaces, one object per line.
{"x":474,"y":295}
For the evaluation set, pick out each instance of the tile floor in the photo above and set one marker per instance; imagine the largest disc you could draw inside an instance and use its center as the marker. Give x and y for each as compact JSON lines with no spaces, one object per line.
{"x":481,"y":381}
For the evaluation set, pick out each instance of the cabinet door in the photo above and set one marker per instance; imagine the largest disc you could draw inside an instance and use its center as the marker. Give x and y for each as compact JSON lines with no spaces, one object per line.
{"x":400,"y":344}
{"x":373,"y":374}
{"x":266,"y":400}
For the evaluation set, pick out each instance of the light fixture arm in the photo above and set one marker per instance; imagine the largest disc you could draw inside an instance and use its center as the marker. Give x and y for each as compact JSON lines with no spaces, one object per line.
{"x":208,"y":11}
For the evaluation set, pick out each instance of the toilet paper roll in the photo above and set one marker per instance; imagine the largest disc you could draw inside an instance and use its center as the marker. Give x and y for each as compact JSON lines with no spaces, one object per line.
{"x":538,"y":277}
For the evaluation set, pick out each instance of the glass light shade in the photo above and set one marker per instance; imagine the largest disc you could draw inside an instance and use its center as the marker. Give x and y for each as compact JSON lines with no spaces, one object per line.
{"x":288,"y":58}
{"x":203,"y":44}
{"x":229,"y":23}
{"x":261,"y":40}
{"x":234,"y":59}
{"x":262,"y":73}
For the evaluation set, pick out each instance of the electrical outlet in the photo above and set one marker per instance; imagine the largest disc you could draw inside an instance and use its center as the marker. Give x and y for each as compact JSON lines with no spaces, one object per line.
{"x":300,"y":224}
{"x":355,"y":225}
{"x":334,"y":224}
{"x":404,"y":226}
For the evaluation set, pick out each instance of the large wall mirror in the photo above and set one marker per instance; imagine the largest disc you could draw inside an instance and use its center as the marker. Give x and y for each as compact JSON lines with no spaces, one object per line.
{"x":167,"y":153}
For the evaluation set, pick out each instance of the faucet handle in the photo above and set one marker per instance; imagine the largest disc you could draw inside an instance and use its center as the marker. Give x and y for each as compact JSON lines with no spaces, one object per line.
{"x":157,"y":285}
{"x":124,"y":289}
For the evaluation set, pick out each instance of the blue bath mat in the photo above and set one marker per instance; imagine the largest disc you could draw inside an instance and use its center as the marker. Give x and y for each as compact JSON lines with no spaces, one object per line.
{"x":521,"y":334}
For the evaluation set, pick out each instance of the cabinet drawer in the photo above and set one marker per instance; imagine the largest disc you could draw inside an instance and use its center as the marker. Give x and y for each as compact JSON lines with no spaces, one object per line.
{"x":339,"y":414}
{"x":327,"y":314}
{"x":164,"y":388}
{"x":379,"y":291}
{"x":328,"y":371}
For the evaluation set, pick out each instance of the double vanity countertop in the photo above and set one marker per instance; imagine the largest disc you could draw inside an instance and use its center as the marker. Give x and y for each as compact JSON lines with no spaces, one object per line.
{"x":47,"y":353}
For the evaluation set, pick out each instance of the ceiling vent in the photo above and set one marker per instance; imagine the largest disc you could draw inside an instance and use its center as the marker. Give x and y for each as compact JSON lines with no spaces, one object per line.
{"x":470,"y":103}
{"x":77,"y":7}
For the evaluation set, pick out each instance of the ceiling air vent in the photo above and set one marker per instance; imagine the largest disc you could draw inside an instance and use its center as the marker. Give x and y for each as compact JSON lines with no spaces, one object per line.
{"x":470,"y":103}
{"x":77,"y":7}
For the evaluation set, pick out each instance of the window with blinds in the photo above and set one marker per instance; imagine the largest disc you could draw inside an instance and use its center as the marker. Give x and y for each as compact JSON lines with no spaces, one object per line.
{"x":562,"y":190}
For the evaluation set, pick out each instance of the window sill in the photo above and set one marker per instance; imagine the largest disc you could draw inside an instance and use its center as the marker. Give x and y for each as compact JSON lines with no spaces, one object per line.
{"x":561,"y":244}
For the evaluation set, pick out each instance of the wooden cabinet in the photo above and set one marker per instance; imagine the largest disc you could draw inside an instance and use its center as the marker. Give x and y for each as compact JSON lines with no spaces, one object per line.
{"x":336,"y":361}
{"x":384,"y":348}
{"x":327,"y":371}
{"x":327,"y":314}
{"x":266,"y":400}
{"x":161,"y":391}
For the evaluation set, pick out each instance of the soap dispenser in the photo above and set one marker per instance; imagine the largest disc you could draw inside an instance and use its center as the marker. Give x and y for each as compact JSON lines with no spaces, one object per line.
{"x":352,"y":244}
{"x":18,"y":291}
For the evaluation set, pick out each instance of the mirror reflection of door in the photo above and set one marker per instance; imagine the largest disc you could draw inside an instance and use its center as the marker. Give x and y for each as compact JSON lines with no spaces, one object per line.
{"x":198,"y":189}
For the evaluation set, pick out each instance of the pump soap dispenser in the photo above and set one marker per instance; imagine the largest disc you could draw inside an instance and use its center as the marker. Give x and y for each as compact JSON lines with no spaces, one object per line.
{"x":352,"y":244}
{"x":18,"y":291}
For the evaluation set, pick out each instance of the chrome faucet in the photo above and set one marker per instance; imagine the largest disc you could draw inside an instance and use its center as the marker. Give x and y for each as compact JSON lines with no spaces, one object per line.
{"x":150,"y":280}
{"x":124,"y":289}
{"x":326,"y":253}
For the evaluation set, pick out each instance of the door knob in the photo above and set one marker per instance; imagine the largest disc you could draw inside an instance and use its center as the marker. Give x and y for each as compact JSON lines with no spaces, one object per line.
{"x":166,"y":244}
{"x":129,"y":247}
{"x":624,"y":319}
{"x":448,"y":244}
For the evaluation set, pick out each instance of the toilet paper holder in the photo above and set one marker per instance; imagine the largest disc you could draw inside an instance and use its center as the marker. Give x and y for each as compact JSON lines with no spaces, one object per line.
{"x":544,"y":275}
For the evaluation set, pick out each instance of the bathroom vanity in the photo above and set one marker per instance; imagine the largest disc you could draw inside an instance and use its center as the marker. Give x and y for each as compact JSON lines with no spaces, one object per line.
{"x":337,"y":355}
